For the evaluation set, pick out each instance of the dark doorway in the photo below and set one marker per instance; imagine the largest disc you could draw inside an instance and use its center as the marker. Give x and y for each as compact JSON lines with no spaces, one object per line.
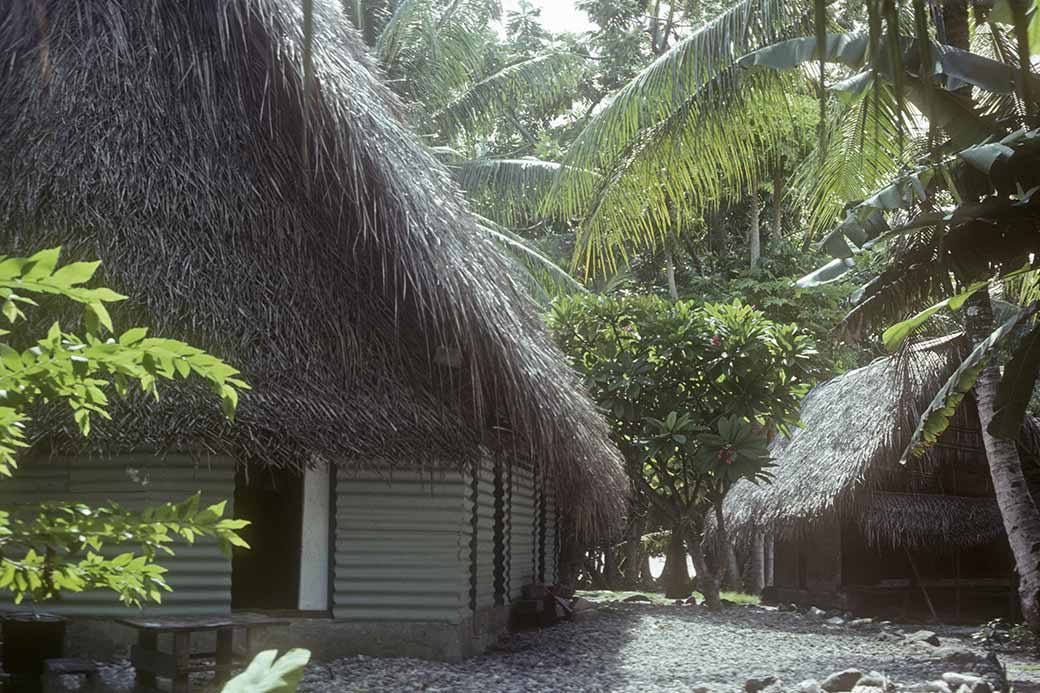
{"x":267,"y":575}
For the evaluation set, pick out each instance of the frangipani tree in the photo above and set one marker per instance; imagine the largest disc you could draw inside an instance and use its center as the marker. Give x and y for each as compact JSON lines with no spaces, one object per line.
{"x":690,"y":392}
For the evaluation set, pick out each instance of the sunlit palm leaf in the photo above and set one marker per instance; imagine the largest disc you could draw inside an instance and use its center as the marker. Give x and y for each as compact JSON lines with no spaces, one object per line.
{"x":512,"y":191}
{"x":538,"y":272}
{"x":533,"y":86}
{"x":433,"y":49}
{"x":862,"y":152}
{"x":660,"y":141}
{"x":705,"y":151}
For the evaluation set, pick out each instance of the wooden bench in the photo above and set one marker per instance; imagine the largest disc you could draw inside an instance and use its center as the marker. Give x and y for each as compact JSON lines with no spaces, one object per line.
{"x":151,"y":662}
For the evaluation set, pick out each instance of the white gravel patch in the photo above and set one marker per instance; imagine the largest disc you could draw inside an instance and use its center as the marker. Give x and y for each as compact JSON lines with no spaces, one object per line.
{"x":641,"y":648}
{"x":637,"y":647}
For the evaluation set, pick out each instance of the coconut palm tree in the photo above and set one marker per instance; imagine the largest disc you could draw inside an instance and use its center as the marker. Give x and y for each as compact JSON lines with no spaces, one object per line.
{"x":965,"y":218}
{"x":912,"y":80}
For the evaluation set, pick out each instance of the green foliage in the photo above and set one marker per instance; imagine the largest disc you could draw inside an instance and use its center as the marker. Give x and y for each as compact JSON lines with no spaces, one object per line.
{"x":936,"y":417}
{"x":998,"y":633}
{"x":689,"y":390}
{"x":817,"y":310}
{"x":51,"y":548}
{"x":265,"y":674}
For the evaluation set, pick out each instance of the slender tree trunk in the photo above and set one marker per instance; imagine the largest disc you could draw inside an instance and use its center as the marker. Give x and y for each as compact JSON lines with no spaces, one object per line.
{"x":669,"y":271}
{"x":758,"y":563}
{"x":571,"y":559}
{"x":633,"y":549}
{"x":646,"y":577}
{"x":778,"y":198}
{"x":732,"y":567}
{"x":694,"y":544}
{"x":595,"y":577}
{"x":611,"y":574}
{"x":755,"y":229}
{"x":770,"y":555}
{"x":677,"y":578}
{"x":1017,"y":507}
{"x":706,"y":580}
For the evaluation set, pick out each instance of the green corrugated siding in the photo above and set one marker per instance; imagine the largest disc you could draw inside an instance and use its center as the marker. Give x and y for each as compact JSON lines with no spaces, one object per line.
{"x":486,"y":535}
{"x":552,"y":550}
{"x":402,"y":548}
{"x":522,"y":532}
{"x":199,"y":574}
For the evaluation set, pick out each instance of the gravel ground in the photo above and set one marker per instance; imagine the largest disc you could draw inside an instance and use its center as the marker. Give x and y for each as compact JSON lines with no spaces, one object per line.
{"x":637,"y":647}
{"x":643,"y":647}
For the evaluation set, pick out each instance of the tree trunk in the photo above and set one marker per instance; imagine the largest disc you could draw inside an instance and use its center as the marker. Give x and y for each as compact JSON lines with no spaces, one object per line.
{"x":594,"y":575}
{"x":770,"y":555}
{"x":754,"y":229}
{"x":1017,"y":507}
{"x":633,"y":550}
{"x":778,"y":197}
{"x":733,"y":582}
{"x":706,"y":580}
{"x":571,"y":559}
{"x":717,"y":239}
{"x":758,"y":563}
{"x":646,"y":577}
{"x":669,"y":271}
{"x":694,"y":544}
{"x":677,"y":578}
{"x":955,"y":24}
{"x":611,"y":574}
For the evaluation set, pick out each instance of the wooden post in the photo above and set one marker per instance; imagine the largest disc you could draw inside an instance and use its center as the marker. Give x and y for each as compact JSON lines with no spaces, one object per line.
{"x":182,"y":661}
{"x":225,"y":654}
{"x":148,"y":641}
{"x":917,"y":576}
{"x":957,"y":583}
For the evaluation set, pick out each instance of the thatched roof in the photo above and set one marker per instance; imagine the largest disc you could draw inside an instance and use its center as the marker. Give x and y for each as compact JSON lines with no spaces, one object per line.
{"x":356,"y":293}
{"x":928,"y":520}
{"x":855,"y":428}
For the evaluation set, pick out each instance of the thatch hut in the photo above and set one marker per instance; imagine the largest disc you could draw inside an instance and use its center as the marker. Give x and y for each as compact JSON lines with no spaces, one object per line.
{"x":411,"y":428}
{"x":852,"y":528}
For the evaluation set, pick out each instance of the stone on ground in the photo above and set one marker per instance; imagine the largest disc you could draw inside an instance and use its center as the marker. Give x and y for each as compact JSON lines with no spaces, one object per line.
{"x":842,"y":681}
{"x":759,"y":683}
{"x":924,"y":636}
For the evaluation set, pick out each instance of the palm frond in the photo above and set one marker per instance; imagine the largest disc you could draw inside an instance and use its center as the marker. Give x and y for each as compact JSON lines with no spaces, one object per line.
{"x":512,"y":191}
{"x":533,"y":86}
{"x":862,"y":152}
{"x":693,"y":64}
{"x":538,"y":272}
{"x":703,"y":152}
{"x":664,"y":137}
{"x":434,"y":49}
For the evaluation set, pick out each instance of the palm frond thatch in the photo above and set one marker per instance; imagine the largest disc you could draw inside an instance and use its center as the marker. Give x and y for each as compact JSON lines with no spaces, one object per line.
{"x":917,"y":520}
{"x":376,"y":322}
{"x":849,"y":425}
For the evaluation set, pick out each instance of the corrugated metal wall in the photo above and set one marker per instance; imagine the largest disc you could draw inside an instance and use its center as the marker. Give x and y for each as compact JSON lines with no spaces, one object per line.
{"x":486,"y":534}
{"x":402,"y":549}
{"x":199,"y":574}
{"x":521,"y":531}
{"x":552,"y":548}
